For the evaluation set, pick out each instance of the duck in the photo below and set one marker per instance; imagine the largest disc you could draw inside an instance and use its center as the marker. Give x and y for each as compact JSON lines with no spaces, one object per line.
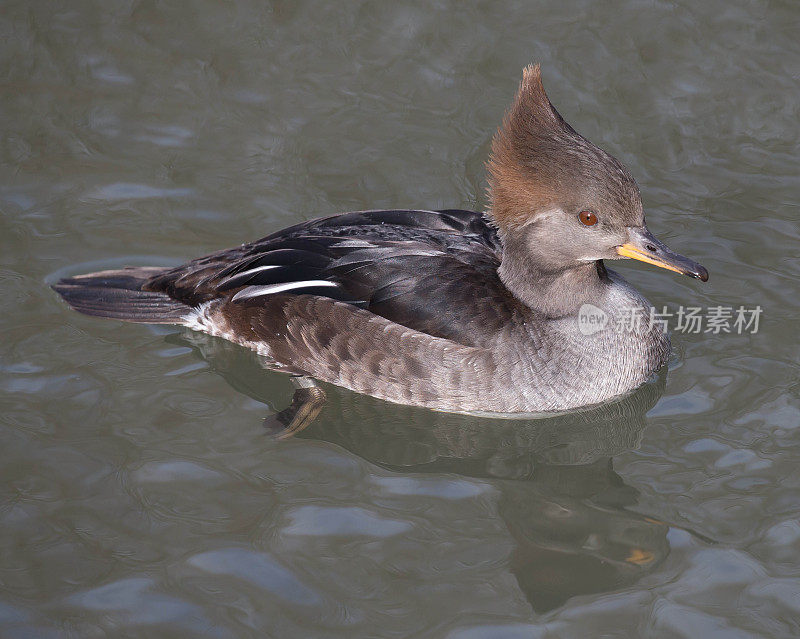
{"x":480,"y":312}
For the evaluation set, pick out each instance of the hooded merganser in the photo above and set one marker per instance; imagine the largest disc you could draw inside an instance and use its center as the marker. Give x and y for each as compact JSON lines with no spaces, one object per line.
{"x":451,"y":310}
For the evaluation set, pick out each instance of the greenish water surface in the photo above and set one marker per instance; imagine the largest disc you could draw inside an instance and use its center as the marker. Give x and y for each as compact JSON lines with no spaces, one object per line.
{"x":140,"y":494}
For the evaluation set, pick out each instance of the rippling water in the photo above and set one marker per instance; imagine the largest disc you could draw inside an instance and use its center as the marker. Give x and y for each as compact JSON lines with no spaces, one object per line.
{"x":140,"y":493}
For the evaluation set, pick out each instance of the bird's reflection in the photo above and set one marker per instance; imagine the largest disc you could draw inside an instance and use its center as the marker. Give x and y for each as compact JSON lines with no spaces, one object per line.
{"x":569,"y":512}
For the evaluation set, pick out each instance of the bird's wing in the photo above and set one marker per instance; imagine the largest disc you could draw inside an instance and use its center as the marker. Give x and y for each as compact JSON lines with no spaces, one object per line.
{"x":432,"y":271}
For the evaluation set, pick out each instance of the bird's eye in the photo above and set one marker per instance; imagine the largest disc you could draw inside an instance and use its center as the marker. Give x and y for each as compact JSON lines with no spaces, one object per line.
{"x":587,"y":218}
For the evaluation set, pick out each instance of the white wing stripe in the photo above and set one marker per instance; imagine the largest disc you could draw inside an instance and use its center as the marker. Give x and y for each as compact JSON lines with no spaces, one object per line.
{"x":271,"y":289}
{"x":258,"y":269}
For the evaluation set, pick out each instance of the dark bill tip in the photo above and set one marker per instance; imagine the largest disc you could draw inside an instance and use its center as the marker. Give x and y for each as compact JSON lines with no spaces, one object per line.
{"x":642,"y":246}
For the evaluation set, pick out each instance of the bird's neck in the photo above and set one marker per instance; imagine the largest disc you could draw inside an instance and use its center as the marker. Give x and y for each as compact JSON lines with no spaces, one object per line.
{"x":553,"y":293}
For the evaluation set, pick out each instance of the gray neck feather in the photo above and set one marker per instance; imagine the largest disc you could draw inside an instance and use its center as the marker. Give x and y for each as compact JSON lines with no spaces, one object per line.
{"x":553,"y":293}
{"x":564,"y":366}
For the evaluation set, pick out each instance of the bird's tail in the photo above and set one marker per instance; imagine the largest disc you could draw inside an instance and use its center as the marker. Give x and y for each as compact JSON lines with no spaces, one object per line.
{"x":118,"y":294}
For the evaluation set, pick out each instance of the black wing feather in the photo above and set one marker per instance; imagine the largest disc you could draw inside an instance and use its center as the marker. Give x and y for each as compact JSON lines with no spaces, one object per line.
{"x":411,"y":267}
